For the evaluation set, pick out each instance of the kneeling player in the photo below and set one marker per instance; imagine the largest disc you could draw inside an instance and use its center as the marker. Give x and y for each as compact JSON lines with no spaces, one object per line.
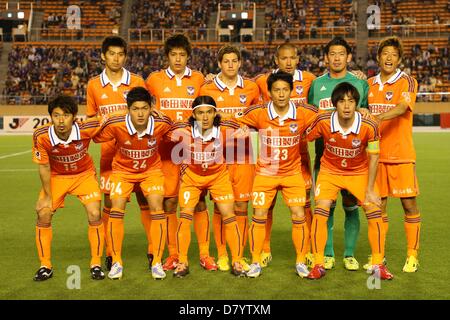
{"x":65,"y":167}
{"x":136,"y":162}
{"x":202,"y":141}
{"x":346,"y":165}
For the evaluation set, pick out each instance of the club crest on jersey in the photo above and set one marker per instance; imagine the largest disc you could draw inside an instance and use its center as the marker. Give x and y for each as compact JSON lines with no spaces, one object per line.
{"x":293,"y":127}
{"x":217,"y":144}
{"x":299,"y":90}
{"x":151,"y":142}
{"x":389,"y":95}
{"x":243,"y":98}
{"x":356,"y":143}
{"x":190,"y":90}
{"x":79,"y":146}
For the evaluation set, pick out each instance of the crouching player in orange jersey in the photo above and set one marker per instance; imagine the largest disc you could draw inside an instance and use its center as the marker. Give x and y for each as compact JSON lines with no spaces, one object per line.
{"x":136,"y":162}
{"x":65,"y":167}
{"x":347,"y":165}
{"x":281,"y":125}
{"x":202,"y":141}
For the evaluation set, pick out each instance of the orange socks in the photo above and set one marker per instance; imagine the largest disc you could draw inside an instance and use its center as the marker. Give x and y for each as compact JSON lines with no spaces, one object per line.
{"x":183,"y":236}
{"x":266,"y":246}
{"x":256,"y":235}
{"x":377,"y":235}
{"x":219,"y":234}
{"x":44,"y":237}
{"x":300,"y":236}
{"x":115,"y":234}
{"x":242,"y":221}
{"x":233,"y":237}
{"x":146,"y":220}
{"x":412,"y":229}
{"x":385,"y":218}
{"x":96,"y":232}
{"x":158,"y":229}
{"x":309,"y":217}
{"x":172,"y":225}
{"x":319,"y":233}
{"x":105,"y":218}
{"x":201,"y":227}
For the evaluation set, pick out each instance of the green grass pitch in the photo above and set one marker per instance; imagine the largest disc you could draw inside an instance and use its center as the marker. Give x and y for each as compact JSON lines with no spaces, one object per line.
{"x":19,"y":187}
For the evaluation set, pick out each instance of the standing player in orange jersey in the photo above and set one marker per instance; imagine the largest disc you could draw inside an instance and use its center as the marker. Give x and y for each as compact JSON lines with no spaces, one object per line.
{"x":349,"y":162}
{"x":233,"y":94}
{"x":65,"y":167}
{"x":281,"y":125}
{"x":106,"y":94}
{"x":174,"y":89}
{"x":203,"y":141}
{"x":392,"y":95}
{"x":286,"y":59}
{"x":136,"y":162}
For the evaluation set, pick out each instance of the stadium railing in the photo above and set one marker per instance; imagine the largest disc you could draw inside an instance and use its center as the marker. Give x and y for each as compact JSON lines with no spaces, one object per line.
{"x":412,"y":30}
{"x":91,"y":34}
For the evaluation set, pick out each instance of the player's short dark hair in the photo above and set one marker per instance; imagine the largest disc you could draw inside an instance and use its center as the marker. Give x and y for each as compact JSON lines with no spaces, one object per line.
{"x":286,"y":45}
{"x":338,"y":41}
{"x":177,"y":41}
{"x":204,"y":100}
{"x":138,"y":94}
{"x":391,"y":42}
{"x":226,"y":49}
{"x":114,"y":41}
{"x":280,"y":75}
{"x":65,"y":102}
{"x":342,"y":89}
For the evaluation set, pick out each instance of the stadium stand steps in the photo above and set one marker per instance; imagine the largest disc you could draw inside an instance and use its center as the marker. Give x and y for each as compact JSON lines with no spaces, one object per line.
{"x":6,"y":49}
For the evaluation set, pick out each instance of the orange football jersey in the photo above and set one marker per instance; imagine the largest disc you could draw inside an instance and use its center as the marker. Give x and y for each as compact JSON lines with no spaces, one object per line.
{"x":202,"y":155}
{"x":65,"y":157}
{"x":245,"y":94}
{"x":302,"y":83}
{"x":135,"y":153}
{"x":104,"y":98}
{"x":396,"y":144}
{"x":174,"y":96}
{"x":279,"y":137}
{"x":344,"y":152}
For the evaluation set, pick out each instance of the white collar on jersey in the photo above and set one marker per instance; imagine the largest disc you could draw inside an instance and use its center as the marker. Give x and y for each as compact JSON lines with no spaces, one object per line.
{"x":291,"y":114}
{"x":336,"y":127}
{"x":132,"y":130}
{"x":126,"y":78}
{"x":74,"y":135}
{"x":171,"y":74}
{"x":219,"y":83}
{"x":196,"y":133}
{"x":298,"y":75}
{"x":395,"y":77}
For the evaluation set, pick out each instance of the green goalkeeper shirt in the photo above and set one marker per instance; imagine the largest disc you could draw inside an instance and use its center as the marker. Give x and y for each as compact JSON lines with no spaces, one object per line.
{"x":322,"y":87}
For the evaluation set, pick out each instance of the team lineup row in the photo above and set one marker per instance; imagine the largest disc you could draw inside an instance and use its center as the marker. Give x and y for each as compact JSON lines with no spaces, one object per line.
{"x":142,"y":123}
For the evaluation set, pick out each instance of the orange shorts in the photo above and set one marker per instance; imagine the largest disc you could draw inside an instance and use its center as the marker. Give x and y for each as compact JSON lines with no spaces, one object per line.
{"x":83,"y":185}
{"x":265,"y":189}
{"x":123,"y":184}
{"x":171,"y":173}
{"x":328,"y":185}
{"x":241,"y":177}
{"x":397,"y":180}
{"x":192,"y":186}
{"x":107,"y":154}
{"x":306,"y":170}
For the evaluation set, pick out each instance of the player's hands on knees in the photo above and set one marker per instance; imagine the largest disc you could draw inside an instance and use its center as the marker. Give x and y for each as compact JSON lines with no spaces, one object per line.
{"x":157,"y":113}
{"x":365,"y":113}
{"x":45,"y":202}
{"x":372,"y":198}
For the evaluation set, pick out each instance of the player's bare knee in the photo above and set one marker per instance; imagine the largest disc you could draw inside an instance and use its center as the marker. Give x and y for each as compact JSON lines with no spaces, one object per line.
{"x":241,"y":205}
{"x":370,"y":208}
{"x":297,"y":212}
{"x":44,"y":215}
{"x":409,"y":206}
{"x":170,"y":204}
